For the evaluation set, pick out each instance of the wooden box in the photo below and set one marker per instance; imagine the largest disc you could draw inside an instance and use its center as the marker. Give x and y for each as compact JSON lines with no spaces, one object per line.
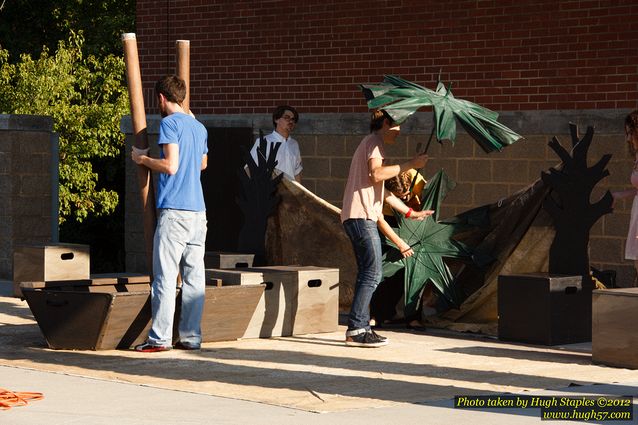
{"x":312,"y":297}
{"x":234,"y":276}
{"x":227,"y":260}
{"x":271,"y":316}
{"x":84,"y":320}
{"x":543,"y":309}
{"x":39,"y":263}
{"x":228,"y":311}
{"x":614,"y":332}
{"x":115,"y":282}
{"x":111,"y":312}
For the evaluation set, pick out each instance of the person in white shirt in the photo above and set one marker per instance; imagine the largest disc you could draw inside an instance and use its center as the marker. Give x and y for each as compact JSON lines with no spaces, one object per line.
{"x":288,"y":158}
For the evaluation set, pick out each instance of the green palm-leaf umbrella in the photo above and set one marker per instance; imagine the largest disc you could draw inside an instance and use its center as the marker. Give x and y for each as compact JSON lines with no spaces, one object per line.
{"x":432,"y":241}
{"x":401,"y":98}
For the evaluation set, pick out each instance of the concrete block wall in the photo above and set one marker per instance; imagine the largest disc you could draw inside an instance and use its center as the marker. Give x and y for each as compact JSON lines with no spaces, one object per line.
{"x":28,"y":185}
{"x":327,"y":142}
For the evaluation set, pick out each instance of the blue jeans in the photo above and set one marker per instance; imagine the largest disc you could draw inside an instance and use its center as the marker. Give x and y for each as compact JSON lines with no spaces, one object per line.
{"x":178,"y":247}
{"x":367,"y":249}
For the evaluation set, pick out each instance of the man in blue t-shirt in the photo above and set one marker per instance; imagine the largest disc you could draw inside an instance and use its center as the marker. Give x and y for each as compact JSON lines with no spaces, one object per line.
{"x":180,"y":236}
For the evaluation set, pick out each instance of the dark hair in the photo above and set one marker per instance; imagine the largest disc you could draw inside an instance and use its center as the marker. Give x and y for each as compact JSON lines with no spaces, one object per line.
{"x":376,"y":119}
{"x":281,"y":110}
{"x":631,"y":126}
{"x":172,"y":87}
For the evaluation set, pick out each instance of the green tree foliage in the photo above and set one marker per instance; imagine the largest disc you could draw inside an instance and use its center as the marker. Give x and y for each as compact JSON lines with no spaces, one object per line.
{"x":87,"y":97}
{"x":28,"y":25}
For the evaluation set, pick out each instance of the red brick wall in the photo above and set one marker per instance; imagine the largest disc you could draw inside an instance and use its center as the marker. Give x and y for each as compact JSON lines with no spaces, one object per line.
{"x":247,"y":56}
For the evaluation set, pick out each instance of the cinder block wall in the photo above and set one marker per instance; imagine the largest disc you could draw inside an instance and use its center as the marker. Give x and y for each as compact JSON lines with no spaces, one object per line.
{"x":327,"y":142}
{"x":28,"y":185}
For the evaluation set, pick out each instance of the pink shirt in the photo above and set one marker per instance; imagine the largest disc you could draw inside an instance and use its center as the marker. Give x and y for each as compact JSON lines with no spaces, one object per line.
{"x":362,"y":198}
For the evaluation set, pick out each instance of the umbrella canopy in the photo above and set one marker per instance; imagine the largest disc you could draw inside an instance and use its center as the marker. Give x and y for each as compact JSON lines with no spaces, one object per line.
{"x":431,"y":241}
{"x":401,"y":98}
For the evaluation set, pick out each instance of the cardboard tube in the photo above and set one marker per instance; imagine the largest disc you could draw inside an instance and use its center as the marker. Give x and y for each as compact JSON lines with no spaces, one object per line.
{"x":138,"y":117}
{"x":183,"y":57}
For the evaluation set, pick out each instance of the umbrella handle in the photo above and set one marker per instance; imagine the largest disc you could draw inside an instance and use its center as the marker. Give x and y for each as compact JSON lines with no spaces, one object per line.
{"x":427,"y":146}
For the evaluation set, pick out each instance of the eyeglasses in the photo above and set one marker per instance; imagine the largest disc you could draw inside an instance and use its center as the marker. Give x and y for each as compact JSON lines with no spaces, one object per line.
{"x":289,"y":118}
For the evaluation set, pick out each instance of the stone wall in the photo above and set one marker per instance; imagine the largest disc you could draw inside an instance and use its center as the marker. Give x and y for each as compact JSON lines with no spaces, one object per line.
{"x":327,"y":142}
{"x":28,"y":185}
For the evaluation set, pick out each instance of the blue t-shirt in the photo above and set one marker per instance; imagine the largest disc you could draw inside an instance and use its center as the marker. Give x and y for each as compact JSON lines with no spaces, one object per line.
{"x":183,"y":190}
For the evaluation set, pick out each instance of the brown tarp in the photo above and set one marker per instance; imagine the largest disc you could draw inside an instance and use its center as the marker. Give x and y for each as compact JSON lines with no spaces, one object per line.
{"x":307,"y":230}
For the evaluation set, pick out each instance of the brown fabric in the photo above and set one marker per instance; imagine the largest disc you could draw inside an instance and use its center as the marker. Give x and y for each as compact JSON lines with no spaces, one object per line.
{"x":306,"y":230}
{"x":518,"y":237}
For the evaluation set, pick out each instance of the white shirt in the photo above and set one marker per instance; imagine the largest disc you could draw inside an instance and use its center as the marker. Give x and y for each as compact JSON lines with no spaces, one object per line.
{"x":288,"y":155}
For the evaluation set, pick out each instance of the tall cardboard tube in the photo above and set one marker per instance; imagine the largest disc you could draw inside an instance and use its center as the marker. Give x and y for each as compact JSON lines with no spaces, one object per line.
{"x":183,"y":58}
{"x":138,"y":116}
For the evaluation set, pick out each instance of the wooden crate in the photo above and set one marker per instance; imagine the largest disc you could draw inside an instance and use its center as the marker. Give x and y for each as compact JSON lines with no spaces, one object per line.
{"x":539,"y":308}
{"x":311,"y":297}
{"x":234,"y":276}
{"x":271,"y":316}
{"x":227,"y":260}
{"x":228,"y":311}
{"x":113,"y":282}
{"x":83,"y":320}
{"x":39,"y":263}
{"x":103,"y":315}
{"x":614,"y":335}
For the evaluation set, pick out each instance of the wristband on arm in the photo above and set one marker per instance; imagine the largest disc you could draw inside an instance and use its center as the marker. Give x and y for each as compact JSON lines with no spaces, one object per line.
{"x":409,"y":213}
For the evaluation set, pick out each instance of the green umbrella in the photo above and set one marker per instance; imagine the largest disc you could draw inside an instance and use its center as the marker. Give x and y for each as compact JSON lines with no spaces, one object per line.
{"x":431,"y":241}
{"x":401,"y":98}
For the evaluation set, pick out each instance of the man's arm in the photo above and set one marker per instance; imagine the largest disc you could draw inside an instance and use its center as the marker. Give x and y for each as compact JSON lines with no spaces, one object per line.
{"x":399,"y":206}
{"x":204,"y":162}
{"x":298,"y":178}
{"x":404,"y":248}
{"x":379,"y":172}
{"x":168,"y":165}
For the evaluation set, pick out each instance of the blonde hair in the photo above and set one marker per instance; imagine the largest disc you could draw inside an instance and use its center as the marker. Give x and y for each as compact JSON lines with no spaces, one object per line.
{"x":399,"y":184}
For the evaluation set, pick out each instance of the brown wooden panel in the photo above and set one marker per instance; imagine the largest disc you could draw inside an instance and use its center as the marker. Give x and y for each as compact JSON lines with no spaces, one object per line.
{"x":543,"y":309}
{"x":227,"y":260}
{"x":614,"y":336}
{"x":228,"y":310}
{"x":49,"y":263}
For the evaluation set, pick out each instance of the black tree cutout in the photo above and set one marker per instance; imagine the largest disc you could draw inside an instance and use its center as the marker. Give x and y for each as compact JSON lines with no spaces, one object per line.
{"x":569,"y":204}
{"x":257,"y":199}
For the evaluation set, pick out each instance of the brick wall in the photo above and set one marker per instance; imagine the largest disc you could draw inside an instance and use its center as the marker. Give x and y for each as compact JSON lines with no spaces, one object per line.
{"x":248,"y":56}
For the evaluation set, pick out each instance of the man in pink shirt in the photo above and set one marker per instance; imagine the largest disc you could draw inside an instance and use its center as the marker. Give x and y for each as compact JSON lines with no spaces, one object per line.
{"x":362,"y":214}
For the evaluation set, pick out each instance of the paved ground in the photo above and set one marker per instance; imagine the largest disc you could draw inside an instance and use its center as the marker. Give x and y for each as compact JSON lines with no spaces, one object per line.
{"x":77,"y":400}
{"x":72,"y":399}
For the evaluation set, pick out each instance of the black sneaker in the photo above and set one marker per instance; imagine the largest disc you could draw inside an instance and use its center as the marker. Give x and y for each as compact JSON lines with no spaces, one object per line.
{"x":382,"y":338}
{"x":186,"y":346}
{"x":150,"y":348}
{"x":363,"y":338}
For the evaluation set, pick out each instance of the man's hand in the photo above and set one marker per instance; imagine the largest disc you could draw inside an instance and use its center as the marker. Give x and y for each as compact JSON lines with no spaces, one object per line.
{"x":138,"y":155}
{"x":405,"y":249}
{"x":419,"y":161}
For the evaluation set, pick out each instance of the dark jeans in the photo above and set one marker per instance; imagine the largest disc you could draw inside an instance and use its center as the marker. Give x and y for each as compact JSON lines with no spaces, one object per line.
{"x":367,"y":249}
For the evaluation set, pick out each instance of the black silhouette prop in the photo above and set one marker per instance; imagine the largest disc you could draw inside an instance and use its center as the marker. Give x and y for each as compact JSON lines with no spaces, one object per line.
{"x":257,"y":199}
{"x":569,"y":205}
